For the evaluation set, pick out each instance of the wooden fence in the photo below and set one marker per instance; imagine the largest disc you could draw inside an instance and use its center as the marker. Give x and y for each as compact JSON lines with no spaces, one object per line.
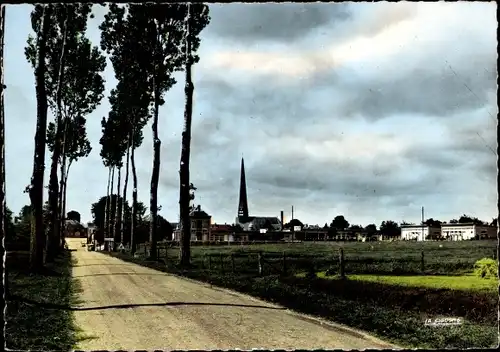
{"x":260,"y":262}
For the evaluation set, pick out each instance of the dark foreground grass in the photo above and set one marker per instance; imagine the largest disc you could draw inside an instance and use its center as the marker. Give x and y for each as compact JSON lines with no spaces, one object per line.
{"x":32,"y":321}
{"x":393,"y":313}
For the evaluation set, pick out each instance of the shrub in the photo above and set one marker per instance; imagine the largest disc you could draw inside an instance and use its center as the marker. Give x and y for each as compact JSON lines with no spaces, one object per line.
{"x":486,"y":268}
{"x":311,"y":273}
{"x":331,"y":271}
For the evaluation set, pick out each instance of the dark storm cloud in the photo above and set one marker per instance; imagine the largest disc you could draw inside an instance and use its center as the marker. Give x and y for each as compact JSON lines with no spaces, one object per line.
{"x":349,"y":179}
{"x":272,"y":22}
{"x":212,"y":141}
{"x":260,"y":99}
{"x":436,"y":90}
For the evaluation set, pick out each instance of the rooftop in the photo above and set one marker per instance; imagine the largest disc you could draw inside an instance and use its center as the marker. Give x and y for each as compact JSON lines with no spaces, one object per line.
{"x":198,"y":213}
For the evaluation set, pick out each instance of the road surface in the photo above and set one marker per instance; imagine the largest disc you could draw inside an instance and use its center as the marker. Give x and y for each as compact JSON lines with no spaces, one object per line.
{"x":125,"y":306}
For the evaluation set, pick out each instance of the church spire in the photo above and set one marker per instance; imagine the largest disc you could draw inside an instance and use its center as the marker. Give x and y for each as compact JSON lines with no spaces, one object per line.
{"x":243,"y":205}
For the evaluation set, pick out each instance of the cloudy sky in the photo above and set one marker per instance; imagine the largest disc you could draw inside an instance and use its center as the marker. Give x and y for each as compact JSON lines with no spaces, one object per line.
{"x":370,"y":110}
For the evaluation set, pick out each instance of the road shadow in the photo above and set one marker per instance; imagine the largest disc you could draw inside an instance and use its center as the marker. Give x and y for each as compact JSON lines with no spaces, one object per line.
{"x":84,"y":265}
{"x":115,"y":274}
{"x":47,"y":305}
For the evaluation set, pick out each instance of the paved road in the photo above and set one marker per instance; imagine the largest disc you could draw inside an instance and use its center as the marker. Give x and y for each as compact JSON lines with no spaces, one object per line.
{"x":124,"y":306}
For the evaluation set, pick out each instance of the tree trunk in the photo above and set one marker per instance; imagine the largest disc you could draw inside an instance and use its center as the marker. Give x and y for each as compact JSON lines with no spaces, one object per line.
{"x":62,"y":214}
{"x":125,"y":185}
{"x":53,"y":232}
{"x":154,"y":177}
{"x":118,"y":215}
{"x":184,"y":196}
{"x":3,"y":206}
{"x":106,"y":207}
{"x":60,"y":206}
{"x":111,"y":215}
{"x":36,"y":187}
{"x":63,"y":206}
{"x":134,"y":203}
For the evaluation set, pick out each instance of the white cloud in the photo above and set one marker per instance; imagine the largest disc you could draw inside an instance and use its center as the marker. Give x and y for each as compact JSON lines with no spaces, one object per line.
{"x":405,"y":37}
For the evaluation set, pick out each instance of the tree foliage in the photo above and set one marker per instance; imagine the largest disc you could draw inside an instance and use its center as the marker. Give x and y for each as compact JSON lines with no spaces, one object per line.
{"x":339,"y":223}
{"x":390,"y":228}
{"x":292,"y":223}
{"x":77,"y":144}
{"x":433,"y":223}
{"x":83,"y":86}
{"x":74,"y":215}
{"x":98,"y":210}
{"x":371,"y":229}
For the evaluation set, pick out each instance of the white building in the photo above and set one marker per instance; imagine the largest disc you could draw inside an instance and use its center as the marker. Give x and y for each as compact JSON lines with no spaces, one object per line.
{"x":419,"y":232}
{"x":459,"y":232}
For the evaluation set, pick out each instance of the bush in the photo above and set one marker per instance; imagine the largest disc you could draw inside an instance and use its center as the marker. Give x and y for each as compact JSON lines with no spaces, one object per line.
{"x":311,"y":273}
{"x":486,"y":268}
{"x":331,"y":271}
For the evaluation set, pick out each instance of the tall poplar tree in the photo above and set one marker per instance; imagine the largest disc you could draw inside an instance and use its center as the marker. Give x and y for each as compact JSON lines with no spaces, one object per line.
{"x":74,"y":89}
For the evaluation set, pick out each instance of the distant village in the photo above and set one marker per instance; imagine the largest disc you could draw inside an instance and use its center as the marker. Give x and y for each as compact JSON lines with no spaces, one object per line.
{"x":248,"y":228}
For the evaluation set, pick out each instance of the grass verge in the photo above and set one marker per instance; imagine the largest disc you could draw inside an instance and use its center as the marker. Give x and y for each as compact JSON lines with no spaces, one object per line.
{"x":37,"y":314}
{"x":463,"y":282}
{"x":393,"y":313}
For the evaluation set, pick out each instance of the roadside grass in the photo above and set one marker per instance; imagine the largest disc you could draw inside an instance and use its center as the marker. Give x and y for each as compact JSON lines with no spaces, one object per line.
{"x":395,"y":313}
{"x":463,"y":282}
{"x":31,"y":324}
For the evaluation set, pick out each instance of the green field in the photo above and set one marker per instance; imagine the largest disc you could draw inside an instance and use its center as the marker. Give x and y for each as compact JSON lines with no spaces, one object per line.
{"x":387,"y":295}
{"x":463,"y":282}
{"x":401,"y":257}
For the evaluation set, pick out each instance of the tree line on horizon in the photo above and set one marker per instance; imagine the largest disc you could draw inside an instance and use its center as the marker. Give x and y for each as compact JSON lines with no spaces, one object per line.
{"x":146,"y":44}
{"x":388,"y":227}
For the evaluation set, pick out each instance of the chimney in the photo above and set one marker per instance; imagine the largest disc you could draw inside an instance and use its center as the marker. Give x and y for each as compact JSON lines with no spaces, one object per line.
{"x":282,"y":218}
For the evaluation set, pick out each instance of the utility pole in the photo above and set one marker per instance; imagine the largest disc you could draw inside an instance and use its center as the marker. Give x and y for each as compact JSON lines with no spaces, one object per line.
{"x":423,"y":237}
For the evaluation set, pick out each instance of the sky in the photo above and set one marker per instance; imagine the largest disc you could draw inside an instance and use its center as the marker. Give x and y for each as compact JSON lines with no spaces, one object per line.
{"x":367,"y":110}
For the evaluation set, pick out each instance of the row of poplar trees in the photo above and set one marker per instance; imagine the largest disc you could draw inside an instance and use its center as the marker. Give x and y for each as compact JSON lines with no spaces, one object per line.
{"x":68,"y":82}
{"x":146,"y":45}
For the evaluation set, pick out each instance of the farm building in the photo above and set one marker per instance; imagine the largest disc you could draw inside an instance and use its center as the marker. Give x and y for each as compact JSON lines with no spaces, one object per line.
{"x":458,"y":232}
{"x":419,"y":232}
{"x":74,"y":229}
{"x":200,"y":226}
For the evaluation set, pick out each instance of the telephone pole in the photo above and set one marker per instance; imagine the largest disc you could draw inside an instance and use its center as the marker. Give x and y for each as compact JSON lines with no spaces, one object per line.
{"x":423,"y":237}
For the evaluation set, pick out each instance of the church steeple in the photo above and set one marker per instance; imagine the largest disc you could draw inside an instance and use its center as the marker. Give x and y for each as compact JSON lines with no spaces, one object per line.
{"x":243,"y":205}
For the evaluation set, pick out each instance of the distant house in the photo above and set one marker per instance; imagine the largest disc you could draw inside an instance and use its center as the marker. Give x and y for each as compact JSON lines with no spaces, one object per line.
{"x":314,"y":234}
{"x":200,"y":226}
{"x":74,"y":229}
{"x":458,"y":232}
{"x":221,"y":233}
{"x":91,"y":232}
{"x":420,"y":232}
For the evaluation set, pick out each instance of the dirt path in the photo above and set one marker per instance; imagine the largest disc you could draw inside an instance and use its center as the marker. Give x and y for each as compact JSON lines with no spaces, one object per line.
{"x":124,"y":306}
